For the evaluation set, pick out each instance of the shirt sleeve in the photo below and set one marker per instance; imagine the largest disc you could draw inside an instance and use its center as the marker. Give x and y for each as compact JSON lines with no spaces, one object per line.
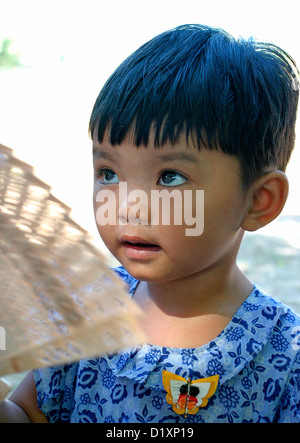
{"x":289,"y":410}
{"x":55,"y":391}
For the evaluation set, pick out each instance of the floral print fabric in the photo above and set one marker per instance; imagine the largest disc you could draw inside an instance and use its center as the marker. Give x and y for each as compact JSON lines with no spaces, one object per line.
{"x":256,"y":356}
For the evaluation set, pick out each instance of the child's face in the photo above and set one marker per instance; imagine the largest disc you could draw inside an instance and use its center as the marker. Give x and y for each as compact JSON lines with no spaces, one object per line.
{"x":173,"y":255}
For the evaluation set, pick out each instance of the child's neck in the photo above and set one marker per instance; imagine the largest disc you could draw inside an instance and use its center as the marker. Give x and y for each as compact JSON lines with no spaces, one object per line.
{"x":191,"y":312}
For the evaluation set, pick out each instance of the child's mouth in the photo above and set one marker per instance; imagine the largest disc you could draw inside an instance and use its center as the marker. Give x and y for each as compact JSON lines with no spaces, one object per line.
{"x":141,"y":246}
{"x":136,"y":247}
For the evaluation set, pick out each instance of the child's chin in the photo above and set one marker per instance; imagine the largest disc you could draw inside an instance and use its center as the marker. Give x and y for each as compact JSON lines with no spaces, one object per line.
{"x":143,"y":272}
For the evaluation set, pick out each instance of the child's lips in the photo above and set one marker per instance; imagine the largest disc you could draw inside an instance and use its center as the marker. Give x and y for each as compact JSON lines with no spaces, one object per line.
{"x":137,"y":247}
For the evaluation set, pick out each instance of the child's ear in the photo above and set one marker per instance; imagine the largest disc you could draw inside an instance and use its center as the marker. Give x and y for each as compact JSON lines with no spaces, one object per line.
{"x":267,"y":197}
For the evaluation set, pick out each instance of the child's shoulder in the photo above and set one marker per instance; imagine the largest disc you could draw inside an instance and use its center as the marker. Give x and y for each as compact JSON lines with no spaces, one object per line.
{"x":265,"y":316}
{"x":271,"y":309}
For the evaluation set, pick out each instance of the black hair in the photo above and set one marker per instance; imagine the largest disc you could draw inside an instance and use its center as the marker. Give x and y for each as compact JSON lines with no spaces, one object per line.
{"x":238,"y":96}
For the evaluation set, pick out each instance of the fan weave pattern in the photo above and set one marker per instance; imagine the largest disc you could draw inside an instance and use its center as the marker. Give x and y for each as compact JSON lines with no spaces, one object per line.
{"x":59,"y":301}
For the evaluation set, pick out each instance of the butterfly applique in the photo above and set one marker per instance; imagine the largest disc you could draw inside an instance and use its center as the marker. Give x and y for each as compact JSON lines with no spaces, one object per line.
{"x":188,"y":396}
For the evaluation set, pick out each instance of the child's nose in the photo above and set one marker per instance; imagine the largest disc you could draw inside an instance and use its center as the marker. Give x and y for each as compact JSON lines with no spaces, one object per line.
{"x":134,"y":206}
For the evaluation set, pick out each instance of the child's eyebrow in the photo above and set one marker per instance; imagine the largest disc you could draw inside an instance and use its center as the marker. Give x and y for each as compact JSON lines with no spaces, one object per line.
{"x":178,"y":156}
{"x":103,"y":154}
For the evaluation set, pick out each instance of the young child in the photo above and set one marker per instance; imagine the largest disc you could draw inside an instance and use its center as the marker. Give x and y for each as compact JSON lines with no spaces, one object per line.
{"x":193,"y":109}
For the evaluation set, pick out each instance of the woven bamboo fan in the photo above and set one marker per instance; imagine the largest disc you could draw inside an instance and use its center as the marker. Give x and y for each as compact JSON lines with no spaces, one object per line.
{"x":59,"y":301}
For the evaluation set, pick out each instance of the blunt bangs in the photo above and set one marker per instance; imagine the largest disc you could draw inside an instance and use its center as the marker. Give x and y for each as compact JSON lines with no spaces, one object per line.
{"x":237,"y":96}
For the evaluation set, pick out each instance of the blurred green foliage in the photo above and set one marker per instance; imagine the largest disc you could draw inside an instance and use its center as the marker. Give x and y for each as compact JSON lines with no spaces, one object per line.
{"x":7,"y":59}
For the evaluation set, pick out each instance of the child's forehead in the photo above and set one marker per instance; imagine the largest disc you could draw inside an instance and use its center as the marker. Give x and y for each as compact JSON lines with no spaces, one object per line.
{"x":161,"y":155}
{"x":168,"y":155}
{"x":184,"y":143}
{"x":185,"y":152}
{"x":182,"y":150}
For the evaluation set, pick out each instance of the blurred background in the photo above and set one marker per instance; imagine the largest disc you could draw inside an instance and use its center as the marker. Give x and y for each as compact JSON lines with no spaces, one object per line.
{"x":55,"y":55}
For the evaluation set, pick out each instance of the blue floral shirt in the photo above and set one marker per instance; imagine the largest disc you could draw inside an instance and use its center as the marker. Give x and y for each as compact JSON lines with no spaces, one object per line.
{"x":257,"y":358}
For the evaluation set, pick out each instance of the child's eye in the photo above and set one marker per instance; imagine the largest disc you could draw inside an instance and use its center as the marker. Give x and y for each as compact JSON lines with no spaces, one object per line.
{"x":107,"y":176}
{"x":171,"y":178}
